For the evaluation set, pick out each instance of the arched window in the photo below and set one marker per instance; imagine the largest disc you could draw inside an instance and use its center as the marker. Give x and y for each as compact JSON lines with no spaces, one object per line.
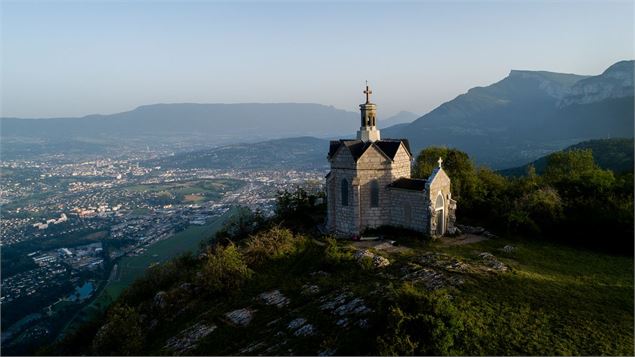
{"x":374,"y":193}
{"x":439,"y":203}
{"x":344,"y":190}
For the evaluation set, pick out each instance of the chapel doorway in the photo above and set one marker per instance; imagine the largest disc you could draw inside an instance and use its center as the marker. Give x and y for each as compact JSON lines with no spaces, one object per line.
{"x":440,"y":215}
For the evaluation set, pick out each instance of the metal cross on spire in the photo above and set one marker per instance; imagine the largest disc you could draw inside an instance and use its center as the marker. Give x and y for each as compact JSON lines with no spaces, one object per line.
{"x":440,"y":162}
{"x":368,"y":92}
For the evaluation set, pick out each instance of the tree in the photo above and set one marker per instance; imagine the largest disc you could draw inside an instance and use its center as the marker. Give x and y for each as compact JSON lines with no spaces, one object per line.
{"x":456,"y":163}
{"x":299,"y":208}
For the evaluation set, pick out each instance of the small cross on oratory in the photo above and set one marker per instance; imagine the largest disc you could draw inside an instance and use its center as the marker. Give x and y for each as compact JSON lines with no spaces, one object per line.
{"x":368,"y":92}
{"x":440,"y":162}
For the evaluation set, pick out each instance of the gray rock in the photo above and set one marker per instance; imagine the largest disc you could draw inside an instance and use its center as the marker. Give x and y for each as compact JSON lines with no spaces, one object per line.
{"x":295,"y":324}
{"x":240,"y":317}
{"x":310,"y":289}
{"x":251,"y":348}
{"x":330,"y":304}
{"x":188,"y":339}
{"x":160,"y":300}
{"x":305,"y":330}
{"x":508,"y":249}
{"x":378,"y":260}
{"x":355,"y":306}
{"x":327,"y":352}
{"x":273,"y":298}
{"x":492,"y":263}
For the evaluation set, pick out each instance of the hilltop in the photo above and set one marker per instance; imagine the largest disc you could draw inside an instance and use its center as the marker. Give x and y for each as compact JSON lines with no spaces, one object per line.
{"x":281,"y":291}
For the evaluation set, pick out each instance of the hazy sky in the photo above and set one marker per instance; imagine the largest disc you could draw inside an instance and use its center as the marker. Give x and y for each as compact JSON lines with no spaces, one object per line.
{"x":75,"y":58}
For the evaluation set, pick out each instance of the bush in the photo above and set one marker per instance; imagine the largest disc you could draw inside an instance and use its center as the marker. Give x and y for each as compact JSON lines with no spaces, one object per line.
{"x":536,"y":211}
{"x":422,"y":323}
{"x":123,"y":334}
{"x":273,"y":243}
{"x":334,"y":254}
{"x":225,"y":269}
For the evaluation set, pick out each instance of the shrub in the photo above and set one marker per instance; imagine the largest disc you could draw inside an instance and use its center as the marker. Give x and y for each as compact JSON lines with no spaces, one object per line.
{"x":225,"y":269}
{"x":334,"y":254}
{"x":422,"y":323}
{"x":123,"y":334}
{"x":270,"y":244}
{"x":536,"y":211}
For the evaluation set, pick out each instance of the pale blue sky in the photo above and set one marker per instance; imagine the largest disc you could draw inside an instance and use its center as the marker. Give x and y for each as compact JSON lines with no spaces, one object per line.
{"x":75,"y":58}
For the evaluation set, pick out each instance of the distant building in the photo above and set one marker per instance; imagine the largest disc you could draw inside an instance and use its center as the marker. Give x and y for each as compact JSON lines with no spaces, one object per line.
{"x":369,"y":185}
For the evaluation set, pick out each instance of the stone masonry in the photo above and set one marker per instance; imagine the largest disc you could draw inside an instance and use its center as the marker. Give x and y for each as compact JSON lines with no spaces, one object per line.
{"x":369,"y":185}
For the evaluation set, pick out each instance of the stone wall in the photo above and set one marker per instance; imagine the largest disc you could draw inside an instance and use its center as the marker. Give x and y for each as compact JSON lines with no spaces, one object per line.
{"x":374,"y":165}
{"x":417,"y":218}
{"x":392,"y":206}
{"x":401,"y":165}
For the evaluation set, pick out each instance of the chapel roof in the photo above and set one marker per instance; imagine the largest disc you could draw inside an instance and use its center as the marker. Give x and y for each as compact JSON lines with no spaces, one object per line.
{"x":358,"y":147}
{"x":409,"y":184}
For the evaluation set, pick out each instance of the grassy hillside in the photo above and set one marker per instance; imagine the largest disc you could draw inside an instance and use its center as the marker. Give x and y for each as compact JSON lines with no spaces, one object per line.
{"x":536,"y":298}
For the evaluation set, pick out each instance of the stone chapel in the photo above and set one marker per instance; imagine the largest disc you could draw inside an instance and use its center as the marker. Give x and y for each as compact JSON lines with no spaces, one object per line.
{"x":369,"y":185}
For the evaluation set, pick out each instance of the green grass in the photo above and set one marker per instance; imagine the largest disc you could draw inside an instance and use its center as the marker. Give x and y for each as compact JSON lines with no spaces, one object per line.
{"x":556,"y":300}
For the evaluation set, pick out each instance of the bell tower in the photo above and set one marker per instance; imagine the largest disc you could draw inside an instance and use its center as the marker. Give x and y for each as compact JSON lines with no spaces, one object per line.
{"x":368,"y":131}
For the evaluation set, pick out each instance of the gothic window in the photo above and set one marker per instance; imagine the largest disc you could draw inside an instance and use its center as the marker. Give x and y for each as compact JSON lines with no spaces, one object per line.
{"x":439,"y":203}
{"x":344,"y":191}
{"x":374,"y":193}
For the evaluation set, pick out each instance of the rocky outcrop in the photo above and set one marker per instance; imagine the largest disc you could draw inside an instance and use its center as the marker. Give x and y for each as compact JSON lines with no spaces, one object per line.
{"x":274,"y":297}
{"x":188,"y":339}
{"x":377,"y":260}
{"x":492,"y":263}
{"x":240,"y":317}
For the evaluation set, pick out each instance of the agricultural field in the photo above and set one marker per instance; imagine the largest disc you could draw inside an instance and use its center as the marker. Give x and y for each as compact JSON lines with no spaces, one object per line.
{"x":189,"y":191}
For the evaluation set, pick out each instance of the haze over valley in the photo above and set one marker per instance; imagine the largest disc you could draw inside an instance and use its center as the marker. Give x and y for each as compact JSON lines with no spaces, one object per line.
{"x":317,"y":178}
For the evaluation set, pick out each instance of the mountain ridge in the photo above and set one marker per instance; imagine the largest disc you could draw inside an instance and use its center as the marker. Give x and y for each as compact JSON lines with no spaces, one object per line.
{"x":518,"y":119}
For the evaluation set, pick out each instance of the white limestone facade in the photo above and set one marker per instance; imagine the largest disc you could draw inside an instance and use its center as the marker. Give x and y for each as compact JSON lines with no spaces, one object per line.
{"x":370,"y":185}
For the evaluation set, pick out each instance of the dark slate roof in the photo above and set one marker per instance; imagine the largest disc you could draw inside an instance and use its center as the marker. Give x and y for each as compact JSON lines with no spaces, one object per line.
{"x":358,"y":147}
{"x":409,"y":184}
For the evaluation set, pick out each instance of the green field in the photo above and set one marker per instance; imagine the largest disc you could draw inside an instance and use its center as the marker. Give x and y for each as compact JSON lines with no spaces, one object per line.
{"x":133,"y":267}
{"x":557,"y":300}
{"x":190,"y":191}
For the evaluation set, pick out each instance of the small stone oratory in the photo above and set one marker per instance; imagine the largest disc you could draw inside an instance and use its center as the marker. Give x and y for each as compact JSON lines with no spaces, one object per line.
{"x":369,"y":185}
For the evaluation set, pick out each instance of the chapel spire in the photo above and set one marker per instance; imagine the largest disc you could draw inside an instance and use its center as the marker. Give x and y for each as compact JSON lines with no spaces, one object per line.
{"x":368,"y":129}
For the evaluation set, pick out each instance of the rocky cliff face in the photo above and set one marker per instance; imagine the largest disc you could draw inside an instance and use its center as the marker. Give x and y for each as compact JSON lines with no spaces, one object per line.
{"x":528,"y":114}
{"x":615,"y":82}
